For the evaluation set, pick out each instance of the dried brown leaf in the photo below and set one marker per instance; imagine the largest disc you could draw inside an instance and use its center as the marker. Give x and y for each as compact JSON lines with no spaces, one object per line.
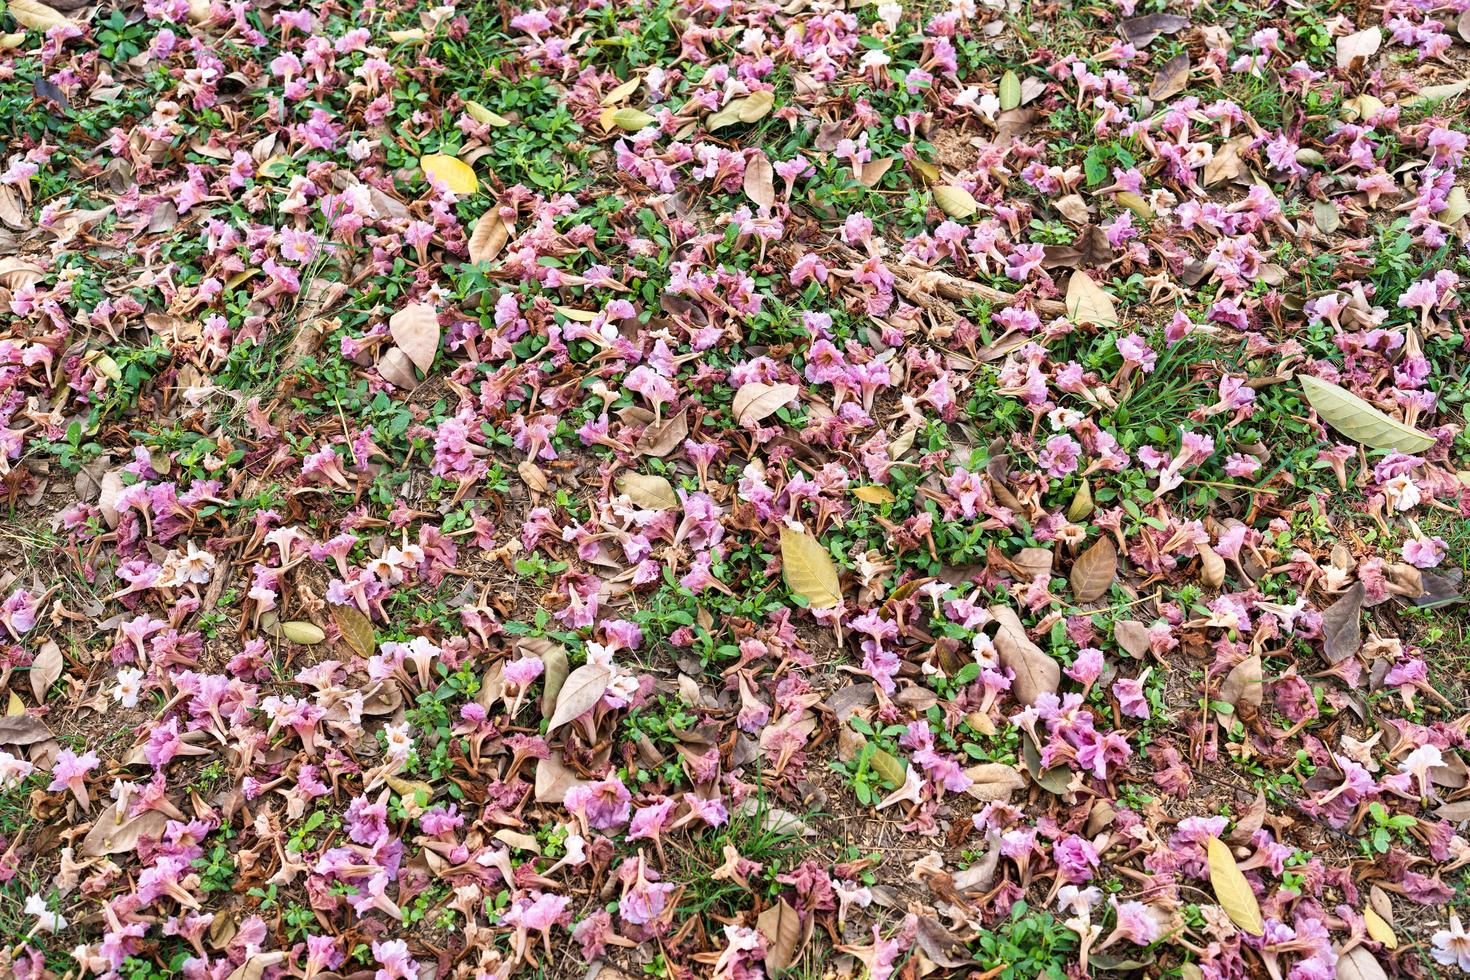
{"x":415,"y":329}
{"x":45,"y":669}
{"x":1094,"y":570}
{"x":582,"y":690}
{"x":782,"y":928}
{"x":757,"y":400}
{"x":760,"y":182}
{"x":1342,"y":625}
{"x":1035,"y":673}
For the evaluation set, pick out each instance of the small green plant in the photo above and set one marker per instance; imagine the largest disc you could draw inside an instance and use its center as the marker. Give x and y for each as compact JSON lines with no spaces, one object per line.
{"x":1029,"y":944}
{"x":1385,"y":828}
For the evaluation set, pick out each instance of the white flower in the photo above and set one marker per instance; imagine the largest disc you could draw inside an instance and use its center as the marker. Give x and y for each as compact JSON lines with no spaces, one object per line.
{"x":129,"y":686}
{"x":890,"y":14}
{"x":399,"y":739}
{"x":13,"y":769}
{"x":195,"y":566}
{"x":46,"y":920}
{"x":1452,"y":945}
{"x":983,"y":647}
{"x":1062,"y":419}
{"x":1402,"y":493}
{"x":1078,"y":901}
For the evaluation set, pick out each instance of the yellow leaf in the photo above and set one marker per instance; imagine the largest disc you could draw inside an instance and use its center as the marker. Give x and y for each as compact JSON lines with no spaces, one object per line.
{"x":927,"y":170}
{"x":1360,"y":421}
{"x":621,"y":92}
{"x":1136,"y":204}
{"x":808,"y":568}
{"x":357,"y":630}
{"x":755,"y":105}
{"x":29,"y":13}
{"x":1232,"y":891}
{"x":954,"y":201}
{"x":648,"y":491}
{"x":15,"y":706}
{"x":451,"y":172}
{"x":484,"y":116}
{"x":632,"y":120}
{"x":1379,"y":929}
{"x":1087,"y":302}
{"x":410,"y":789}
{"x":300,"y":631}
{"x":728,"y":116}
{"x":874,"y":494}
{"x":581,"y":316}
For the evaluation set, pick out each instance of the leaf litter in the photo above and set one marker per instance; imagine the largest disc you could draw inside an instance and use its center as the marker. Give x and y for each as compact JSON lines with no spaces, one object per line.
{"x":828,"y":491}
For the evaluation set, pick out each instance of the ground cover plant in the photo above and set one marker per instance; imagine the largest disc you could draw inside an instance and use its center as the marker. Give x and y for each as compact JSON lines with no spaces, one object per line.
{"x":709,"y":488}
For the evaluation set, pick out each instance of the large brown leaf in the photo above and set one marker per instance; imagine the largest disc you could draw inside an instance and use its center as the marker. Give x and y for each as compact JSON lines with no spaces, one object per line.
{"x":1342,"y":625}
{"x":1036,"y":673}
{"x":1094,"y":570}
{"x":782,"y":928}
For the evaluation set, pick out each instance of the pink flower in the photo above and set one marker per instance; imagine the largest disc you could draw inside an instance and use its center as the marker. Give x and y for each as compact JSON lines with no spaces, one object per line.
{"x":70,"y":773}
{"x":1076,"y":858}
{"x":396,"y":964}
{"x":1131,"y":698}
{"x":603,"y":805}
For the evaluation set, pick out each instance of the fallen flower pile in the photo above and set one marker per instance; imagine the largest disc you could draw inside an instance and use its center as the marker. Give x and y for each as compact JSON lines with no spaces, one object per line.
{"x":733,"y":489}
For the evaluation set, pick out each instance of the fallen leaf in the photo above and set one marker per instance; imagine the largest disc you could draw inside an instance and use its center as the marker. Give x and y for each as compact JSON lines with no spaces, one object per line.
{"x":415,"y":329}
{"x":808,"y":569}
{"x":1035,"y":673}
{"x":647,"y":490}
{"x":994,"y":782}
{"x":1232,"y":890}
{"x":410,"y":789}
{"x":1342,"y":626}
{"x":583,"y":689}
{"x":553,"y":779}
{"x":632,"y":120}
{"x":1087,"y":302}
{"x":1173,"y":78}
{"x":874,"y":493}
{"x":357,"y":630}
{"x":1141,"y":31}
{"x":108,"y":836}
{"x":955,"y":201}
{"x":662,"y":438}
{"x":1010,"y":91}
{"x":1360,"y":421}
{"x":1359,"y":46}
{"x":1379,"y":930}
{"x":1242,"y":687}
{"x":1359,"y":964}
{"x":885,"y":765}
{"x":1326,"y":216}
{"x":489,"y":237}
{"x":450,"y":171}
{"x":757,"y":400}
{"x":1094,"y":570}
{"x":760,"y":183}
{"x":299,"y":631}
{"x":485,"y":116}
{"x":1212,"y":567}
{"x":35,"y":15}
{"x":755,"y":105}
{"x":45,"y":669}
{"x":782,"y":928}
{"x":1132,"y":636}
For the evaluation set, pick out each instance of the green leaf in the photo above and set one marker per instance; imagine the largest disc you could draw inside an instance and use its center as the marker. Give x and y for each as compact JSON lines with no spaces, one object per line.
{"x":1010,"y":91}
{"x":1360,"y":421}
